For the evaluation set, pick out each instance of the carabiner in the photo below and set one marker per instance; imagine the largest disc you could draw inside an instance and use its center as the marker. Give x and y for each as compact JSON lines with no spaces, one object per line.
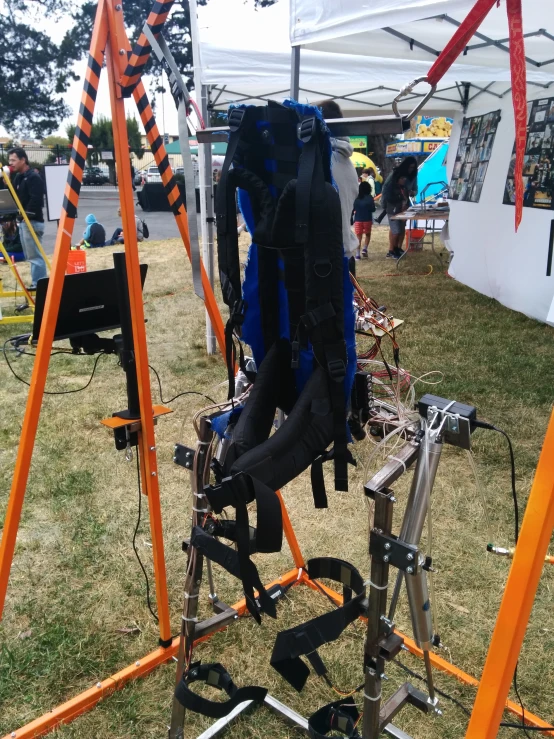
{"x":406,"y":91}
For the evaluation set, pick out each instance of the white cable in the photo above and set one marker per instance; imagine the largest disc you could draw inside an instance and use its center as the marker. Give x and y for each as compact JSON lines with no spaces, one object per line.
{"x":377,"y":587}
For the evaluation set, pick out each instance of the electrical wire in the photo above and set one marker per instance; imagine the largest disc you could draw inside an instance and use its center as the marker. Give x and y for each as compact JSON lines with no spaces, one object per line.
{"x":51,"y":392}
{"x":187,"y":392}
{"x":135,"y":545}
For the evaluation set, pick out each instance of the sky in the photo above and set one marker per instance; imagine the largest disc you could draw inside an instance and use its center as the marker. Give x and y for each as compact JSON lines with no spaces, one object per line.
{"x":56,"y":29}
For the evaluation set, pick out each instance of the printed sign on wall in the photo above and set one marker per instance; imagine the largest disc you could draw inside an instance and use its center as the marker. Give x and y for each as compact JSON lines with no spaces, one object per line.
{"x":538,"y":183}
{"x":473,"y":155}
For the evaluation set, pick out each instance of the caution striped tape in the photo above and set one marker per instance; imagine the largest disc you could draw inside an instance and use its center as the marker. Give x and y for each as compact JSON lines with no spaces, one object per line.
{"x":82,"y":135}
{"x":158,"y":149}
{"x":142,"y":49}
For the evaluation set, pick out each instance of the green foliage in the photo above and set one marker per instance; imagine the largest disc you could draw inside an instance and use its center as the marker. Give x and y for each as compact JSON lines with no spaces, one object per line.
{"x":33,"y":74}
{"x":55,"y":141}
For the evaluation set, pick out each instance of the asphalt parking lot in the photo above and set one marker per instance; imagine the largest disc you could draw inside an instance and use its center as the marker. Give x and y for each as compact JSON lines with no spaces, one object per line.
{"x":104,"y":205}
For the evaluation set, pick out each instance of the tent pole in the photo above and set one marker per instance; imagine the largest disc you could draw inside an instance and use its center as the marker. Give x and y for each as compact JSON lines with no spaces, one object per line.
{"x":204,"y":171}
{"x":295,"y":72}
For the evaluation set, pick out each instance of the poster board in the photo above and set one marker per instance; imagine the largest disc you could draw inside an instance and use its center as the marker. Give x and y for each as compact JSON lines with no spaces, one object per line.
{"x":538,"y":178}
{"x":473,"y":155}
{"x":55,"y":177}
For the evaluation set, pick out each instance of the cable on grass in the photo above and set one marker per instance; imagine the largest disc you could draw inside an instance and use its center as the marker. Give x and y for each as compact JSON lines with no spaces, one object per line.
{"x":51,"y":392}
{"x":135,"y":545}
{"x":186,"y":392}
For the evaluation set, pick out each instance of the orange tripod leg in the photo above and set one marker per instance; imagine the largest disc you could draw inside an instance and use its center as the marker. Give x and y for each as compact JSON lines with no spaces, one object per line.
{"x":162,"y":160}
{"x":517,"y":602}
{"x":147,"y":438}
{"x":42,"y":359}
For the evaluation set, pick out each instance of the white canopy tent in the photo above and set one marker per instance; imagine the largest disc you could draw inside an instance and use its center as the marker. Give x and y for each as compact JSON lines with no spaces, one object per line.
{"x":246,"y":54}
{"x":488,"y":255}
{"x":246,"y":57}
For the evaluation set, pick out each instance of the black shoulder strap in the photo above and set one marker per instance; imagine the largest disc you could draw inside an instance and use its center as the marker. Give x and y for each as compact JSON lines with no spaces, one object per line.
{"x":306,"y":638}
{"x":217,"y":676}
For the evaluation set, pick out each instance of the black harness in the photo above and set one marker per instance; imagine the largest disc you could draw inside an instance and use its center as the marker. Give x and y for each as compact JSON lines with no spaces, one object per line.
{"x":218,"y":677}
{"x":305,"y":639}
{"x":341,"y":716}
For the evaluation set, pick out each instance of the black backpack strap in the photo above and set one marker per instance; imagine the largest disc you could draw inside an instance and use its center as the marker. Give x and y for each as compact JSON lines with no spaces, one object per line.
{"x":341,"y":716}
{"x":217,"y":676}
{"x":306,"y":638}
{"x":237,"y":491}
{"x":307,"y":133}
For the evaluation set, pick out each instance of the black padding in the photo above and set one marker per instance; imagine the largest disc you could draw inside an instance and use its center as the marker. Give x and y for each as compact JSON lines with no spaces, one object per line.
{"x":217,"y":676}
{"x":306,"y":433}
{"x":274,"y":388}
{"x":341,"y":716}
{"x":306,"y":638}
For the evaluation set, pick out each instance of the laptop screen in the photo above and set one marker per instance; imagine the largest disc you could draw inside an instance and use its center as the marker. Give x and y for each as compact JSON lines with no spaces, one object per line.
{"x":88,"y":304}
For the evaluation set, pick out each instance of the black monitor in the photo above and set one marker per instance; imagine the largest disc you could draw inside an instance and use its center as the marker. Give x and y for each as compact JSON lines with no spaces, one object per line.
{"x":89,"y":304}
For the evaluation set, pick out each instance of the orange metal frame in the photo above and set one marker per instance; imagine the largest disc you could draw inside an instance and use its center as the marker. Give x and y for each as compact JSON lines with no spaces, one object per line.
{"x":109,"y":38}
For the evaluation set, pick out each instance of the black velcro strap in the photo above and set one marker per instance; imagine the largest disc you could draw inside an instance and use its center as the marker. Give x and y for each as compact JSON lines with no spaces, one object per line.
{"x":306,"y":638}
{"x":318,"y":481}
{"x":217,"y":676}
{"x":307,"y":134}
{"x":341,"y":716}
{"x":237,"y":491}
{"x":319,"y":314}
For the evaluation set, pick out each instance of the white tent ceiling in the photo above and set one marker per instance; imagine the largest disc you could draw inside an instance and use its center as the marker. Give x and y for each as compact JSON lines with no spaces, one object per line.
{"x":245,"y":54}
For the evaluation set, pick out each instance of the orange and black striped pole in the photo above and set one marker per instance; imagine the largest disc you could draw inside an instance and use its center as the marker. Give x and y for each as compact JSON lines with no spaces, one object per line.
{"x":55,"y":285}
{"x":131,"y":84}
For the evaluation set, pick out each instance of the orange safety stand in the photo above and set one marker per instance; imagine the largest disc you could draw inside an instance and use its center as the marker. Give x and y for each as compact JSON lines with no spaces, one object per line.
{"x":124,"y":70}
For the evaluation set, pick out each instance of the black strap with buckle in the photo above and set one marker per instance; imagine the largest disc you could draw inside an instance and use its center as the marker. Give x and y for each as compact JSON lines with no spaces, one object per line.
{"x":306,"y":638}
{"x":217,"y":676}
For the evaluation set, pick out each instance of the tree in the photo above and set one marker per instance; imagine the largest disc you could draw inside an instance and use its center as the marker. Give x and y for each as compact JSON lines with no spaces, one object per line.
{"x":101,"y":139}
{"x":34,"y":72}
{"x":56,"y":141}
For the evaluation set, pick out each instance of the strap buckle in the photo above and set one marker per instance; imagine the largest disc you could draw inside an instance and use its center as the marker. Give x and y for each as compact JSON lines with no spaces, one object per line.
{"x":306,"y":129}
{"x":407,"y":90}
{"x":336,"y":369}
{"x":235,"y":118}
{"x":237,"y":312}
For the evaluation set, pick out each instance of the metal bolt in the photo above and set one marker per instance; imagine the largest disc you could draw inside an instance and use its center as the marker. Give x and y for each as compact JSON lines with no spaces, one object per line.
{"x":392,"y":499}
{"x":386,"y":558}
{"x":137,"y":664}
{"x":198,"y":582}
{"x":118,"y":7}
{"x":98,"y":685}
{"x":121,"y":52}
{"x":387,"y":546}
{"x":174,"y":459}
{"x":152,"y":448}
{"x":153,"y":474}
{"x":13,"y":734}
{"x":409,"y":556}
{"x":409,"y":570}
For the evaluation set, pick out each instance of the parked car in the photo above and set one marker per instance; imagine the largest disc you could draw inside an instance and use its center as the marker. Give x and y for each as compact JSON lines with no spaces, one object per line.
{"x":94,"y":176}
{"x":153,"y":174}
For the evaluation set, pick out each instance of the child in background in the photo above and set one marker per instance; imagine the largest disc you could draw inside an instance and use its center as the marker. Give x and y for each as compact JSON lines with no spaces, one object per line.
{"x":364,"y":207}
{"x":94,"y":235}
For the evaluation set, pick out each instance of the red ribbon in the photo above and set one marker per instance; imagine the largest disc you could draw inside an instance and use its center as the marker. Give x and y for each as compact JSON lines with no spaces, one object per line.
{"x":518,"y":71}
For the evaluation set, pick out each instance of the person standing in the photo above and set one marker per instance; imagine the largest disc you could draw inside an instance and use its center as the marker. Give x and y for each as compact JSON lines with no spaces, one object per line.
{"x":29,"y":187}
{"x":345,"y":177}
{"x":400,"y":186}
{"x":364,"y":207}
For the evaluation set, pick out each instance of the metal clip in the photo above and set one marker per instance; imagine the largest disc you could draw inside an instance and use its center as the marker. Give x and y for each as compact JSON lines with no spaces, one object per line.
{"x":409,"y":89}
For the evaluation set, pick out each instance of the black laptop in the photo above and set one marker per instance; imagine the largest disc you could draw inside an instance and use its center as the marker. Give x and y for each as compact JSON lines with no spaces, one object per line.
{"x":88,"y":304}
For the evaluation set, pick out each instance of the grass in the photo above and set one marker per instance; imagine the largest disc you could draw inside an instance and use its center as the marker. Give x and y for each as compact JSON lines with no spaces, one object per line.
{"x":77,"y":595}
